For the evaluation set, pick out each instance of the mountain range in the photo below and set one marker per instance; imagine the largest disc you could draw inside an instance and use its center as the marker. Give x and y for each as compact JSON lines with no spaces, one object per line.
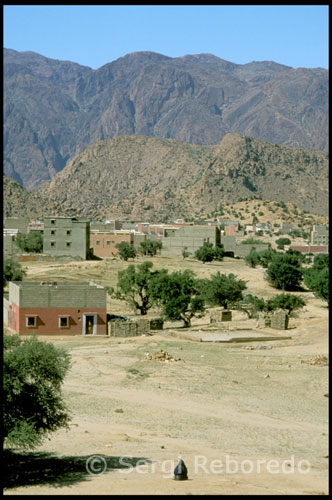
{"x":54,"y":110}
{"x":154,"y":179}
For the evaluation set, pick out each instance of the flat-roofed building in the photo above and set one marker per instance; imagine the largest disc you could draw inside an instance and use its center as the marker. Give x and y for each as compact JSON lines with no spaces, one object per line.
{"x":66,"y":236}
{"x":56,"y":308}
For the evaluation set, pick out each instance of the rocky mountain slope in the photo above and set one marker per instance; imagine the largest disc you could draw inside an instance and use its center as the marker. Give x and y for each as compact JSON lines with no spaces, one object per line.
{"x":54,"y":109}
{"x":158,"y":179}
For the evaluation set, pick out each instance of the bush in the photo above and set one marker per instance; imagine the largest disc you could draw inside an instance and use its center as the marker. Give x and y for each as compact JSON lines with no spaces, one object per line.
{"x":318,"y":281}
{"x":31,"y":243}
{"x":285,"y":272}
{"x":126,"y":251}
{"x":33,"y":372}
{"x":281,"y":242}
{"x":207,"y":252}
{"x":12,"y":271}
{"x":150,"y":247}
{"x":222,"y":289}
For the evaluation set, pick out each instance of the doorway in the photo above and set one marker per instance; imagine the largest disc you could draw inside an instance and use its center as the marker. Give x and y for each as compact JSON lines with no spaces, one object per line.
{"x":89,"y":324}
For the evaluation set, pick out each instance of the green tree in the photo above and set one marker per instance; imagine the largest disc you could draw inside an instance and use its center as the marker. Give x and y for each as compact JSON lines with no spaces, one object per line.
{"x":178,"y":295}
{"x":33,"y":372}
{"x":281,"y":242}
{"x":134,"y":287}
{"x":150,"y":247}
{"x":320,"y":261}
{"x":31,"y":243}
{"x":12,"y":271}
{"x":266,"y":256}
{"x":207,"y":252}
{"x":318,"y":281}
{"x":126,"y":251}
{"x":287,"y":302}
{"x":285,"y":272}
{"x":222,"y":289}
{"x":252,"y":259}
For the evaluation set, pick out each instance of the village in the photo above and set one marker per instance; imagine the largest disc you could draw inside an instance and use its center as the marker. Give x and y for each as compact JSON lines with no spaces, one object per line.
{"x":58,"y":307}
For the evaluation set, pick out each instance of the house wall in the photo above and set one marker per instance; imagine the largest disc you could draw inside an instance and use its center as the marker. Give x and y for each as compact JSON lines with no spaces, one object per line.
{"x":58,"y":295}
{"x":48,"y":320}
{"x":20,"y":223}
{"x":107,"y":242}
{"x":192,"y":237}
{"x":66,"y":236}
{"x":244,"y":250}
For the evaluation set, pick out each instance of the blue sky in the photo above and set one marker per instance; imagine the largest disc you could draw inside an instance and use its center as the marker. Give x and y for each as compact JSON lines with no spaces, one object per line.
{"x":94,"y":35}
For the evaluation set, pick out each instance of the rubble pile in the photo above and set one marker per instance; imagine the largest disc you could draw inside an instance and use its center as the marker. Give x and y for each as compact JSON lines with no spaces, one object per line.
{"x":161,"y":356}
{"x":318,"y":360}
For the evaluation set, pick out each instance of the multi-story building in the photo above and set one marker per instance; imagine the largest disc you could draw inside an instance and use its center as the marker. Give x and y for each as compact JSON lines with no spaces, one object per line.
{"x":56,"y":308}
{"x":66,"y":236}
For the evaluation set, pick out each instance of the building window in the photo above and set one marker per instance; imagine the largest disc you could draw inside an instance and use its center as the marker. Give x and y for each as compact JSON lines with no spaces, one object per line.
{"x":108,"y":242}
{"x":31,"y":321}
{"x":52,"y":221}
{"x":53,"y":231}
{"x":52,"y":243}
{"x":68,"y":244}
{"x":98,"y":242}
{"x":69,"y":231}
{"x":63,"y":321}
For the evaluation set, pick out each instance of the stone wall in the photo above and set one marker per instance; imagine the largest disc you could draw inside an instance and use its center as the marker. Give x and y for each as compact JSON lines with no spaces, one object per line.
{"x":220,"y":315}
{"x":277,"y":320}
{"x":129,"y":328}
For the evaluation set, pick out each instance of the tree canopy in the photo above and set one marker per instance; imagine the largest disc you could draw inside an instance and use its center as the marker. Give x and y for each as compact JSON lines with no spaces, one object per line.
{"x":12,"y":271}
{"x":207,"y":252}
{"x":134,"y":287}
{"x":126,"y":251}
{"x":178,"y":295}
{"x":222,"y":289}
{"x":33,"y":372}
{"x":285,"y":272}
{"x":31,"y":242}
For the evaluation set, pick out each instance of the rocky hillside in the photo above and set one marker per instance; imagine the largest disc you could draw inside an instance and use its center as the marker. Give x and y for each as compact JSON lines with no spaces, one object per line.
{"x":157,"y":179}
{"x":54,"y":109}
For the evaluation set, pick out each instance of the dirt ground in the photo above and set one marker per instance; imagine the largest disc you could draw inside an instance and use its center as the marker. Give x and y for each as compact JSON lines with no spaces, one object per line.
{"x":246,"y":418}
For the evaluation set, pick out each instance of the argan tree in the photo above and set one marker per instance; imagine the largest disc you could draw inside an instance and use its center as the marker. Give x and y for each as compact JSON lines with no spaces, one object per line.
{"x":33,"y":407}
{"x":222,"y":289}
{"x":134,"y":287}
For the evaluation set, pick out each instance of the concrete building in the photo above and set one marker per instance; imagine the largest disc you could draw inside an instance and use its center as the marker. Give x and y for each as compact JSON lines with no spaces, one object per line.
{"x":103,"y":243}
{"x":10,"y":249}
{"x":191,"y":237}
{"x":56,"y":308}
{"x":66,"y":236}
{"x":19,"y":223}
{"x":319,"y":235}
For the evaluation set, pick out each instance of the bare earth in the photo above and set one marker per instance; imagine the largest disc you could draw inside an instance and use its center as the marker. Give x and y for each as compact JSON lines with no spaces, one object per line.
{"x":134,"y":417}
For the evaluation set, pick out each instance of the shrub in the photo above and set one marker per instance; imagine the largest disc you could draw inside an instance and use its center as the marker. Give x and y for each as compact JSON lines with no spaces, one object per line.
{"x":33,"y":372}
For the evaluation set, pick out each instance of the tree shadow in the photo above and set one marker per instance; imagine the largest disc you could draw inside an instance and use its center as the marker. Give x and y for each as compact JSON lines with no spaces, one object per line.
{"x":42,"y":468}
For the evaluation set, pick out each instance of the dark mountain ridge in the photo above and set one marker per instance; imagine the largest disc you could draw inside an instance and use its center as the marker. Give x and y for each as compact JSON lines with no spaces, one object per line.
{"x":54,"y":109}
